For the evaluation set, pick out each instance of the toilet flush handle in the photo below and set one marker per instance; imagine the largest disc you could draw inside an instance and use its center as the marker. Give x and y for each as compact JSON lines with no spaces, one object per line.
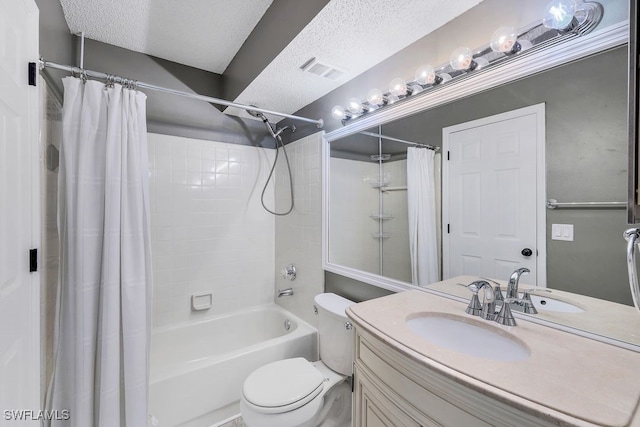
{"x":348,"y":326}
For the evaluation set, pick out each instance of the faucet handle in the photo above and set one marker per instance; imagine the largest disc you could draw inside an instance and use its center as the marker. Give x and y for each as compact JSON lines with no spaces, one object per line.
{"x":474,"y":308}
{"x":505,"y":317}
{"x":529,"y":308}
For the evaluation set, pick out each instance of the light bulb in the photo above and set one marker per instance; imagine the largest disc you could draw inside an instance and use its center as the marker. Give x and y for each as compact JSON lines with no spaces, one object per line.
{"x":426,"y":75}
{"x":339,"y":113}
{"x":559,"y":14}
{"x":504,"y":39}
{"x":375,"y":97}
{"x":355,"y":106}
{"x":398,"y":87}
{"x":461,"y":59}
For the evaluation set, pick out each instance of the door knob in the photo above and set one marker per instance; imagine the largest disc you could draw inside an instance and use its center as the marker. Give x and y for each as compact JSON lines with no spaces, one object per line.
{"x":527,"y":252}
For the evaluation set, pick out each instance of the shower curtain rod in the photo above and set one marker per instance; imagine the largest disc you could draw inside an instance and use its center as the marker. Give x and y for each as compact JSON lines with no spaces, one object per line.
{"x":75,"y":70}
{"x":389,"y":138}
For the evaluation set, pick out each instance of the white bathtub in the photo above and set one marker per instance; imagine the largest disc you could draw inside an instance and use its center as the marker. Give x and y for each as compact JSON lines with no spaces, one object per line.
{"x":197,"y":369}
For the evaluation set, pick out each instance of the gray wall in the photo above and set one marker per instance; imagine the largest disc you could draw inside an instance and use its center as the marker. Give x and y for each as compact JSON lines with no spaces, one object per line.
{"x":166,"y":114}
{"x":352,"y":289}
{"x":175,"y":115}
{"x":586,"y":160}
{"x":56,"y":43}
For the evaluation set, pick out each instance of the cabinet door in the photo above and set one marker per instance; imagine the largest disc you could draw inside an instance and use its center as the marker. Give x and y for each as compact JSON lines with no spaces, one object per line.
{"x":373,"y":409}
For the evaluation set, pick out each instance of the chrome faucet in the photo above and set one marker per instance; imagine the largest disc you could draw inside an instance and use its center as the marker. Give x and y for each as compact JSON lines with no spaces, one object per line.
{"x":285,"y":292}
{"x":512,"y":287}
{"x":486,"y":310}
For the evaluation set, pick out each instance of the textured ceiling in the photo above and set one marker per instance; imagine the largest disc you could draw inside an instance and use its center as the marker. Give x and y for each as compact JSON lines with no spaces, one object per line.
{"x":352,"y":35}
{"x":204,"y":34}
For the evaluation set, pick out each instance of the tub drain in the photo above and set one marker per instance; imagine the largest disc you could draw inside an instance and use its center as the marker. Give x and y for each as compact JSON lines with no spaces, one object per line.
{"x":287,"y":325}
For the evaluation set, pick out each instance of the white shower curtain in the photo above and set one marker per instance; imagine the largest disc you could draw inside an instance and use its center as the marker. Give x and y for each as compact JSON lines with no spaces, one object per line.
{"x":103,"y":315}
{"x":422,"y":215}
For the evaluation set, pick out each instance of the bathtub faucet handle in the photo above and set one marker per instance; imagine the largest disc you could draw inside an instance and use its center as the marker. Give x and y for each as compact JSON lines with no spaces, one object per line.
{"x":289,"y":272}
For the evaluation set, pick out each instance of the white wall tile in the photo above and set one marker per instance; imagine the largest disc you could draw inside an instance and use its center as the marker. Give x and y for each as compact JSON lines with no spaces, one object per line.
{"x":210,"y":233}
{"x":299,"y":234}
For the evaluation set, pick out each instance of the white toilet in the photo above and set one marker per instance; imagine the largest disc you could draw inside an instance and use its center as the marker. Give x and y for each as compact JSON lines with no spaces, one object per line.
{"x":298,"y":393}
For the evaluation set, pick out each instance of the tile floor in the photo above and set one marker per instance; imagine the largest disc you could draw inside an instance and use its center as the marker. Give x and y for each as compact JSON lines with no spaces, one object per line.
{"x":237,"y":422}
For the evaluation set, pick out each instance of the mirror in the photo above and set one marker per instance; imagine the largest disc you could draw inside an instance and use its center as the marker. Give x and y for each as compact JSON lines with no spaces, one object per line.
{"x":585,"y":161}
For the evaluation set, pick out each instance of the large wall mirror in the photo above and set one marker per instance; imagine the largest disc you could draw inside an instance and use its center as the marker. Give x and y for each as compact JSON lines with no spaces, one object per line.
{"x":585,"y":161}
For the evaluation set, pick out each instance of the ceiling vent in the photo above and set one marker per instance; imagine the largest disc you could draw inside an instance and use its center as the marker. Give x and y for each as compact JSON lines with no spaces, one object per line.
{"x":314,"y":66}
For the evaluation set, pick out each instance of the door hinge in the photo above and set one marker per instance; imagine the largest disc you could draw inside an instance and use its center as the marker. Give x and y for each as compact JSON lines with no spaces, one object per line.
{"x":33,"y":260}
{"x":32,"y":73}
{"x":448,"y":228}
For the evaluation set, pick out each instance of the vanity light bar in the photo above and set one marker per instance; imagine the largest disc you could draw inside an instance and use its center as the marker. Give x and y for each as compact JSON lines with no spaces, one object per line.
{"x":506,"y":45}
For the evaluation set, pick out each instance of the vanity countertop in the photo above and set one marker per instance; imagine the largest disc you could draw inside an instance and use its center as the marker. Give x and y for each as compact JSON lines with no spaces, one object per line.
{"x":609,"y":319}
{"x":569,"y":379}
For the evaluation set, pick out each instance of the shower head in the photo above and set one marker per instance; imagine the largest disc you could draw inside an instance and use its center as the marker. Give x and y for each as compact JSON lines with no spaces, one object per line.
{"x":289,"y":128}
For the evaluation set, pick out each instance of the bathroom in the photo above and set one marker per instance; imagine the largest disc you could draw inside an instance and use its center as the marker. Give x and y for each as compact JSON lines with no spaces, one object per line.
{"x":219,"y":256}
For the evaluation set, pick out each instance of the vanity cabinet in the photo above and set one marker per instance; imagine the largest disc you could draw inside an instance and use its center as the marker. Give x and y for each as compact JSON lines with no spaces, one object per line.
{"x":392,"y":390}
{"x":403,"y":378}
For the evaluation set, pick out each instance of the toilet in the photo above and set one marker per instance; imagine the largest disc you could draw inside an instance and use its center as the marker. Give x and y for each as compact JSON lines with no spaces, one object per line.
{"x":298,"y":393}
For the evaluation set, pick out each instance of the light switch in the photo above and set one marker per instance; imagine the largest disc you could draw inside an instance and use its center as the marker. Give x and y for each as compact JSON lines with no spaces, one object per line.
{"x":562,"y":232}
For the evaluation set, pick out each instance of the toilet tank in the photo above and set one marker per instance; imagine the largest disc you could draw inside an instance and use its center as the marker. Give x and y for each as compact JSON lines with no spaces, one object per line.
{"x":336,"y":341}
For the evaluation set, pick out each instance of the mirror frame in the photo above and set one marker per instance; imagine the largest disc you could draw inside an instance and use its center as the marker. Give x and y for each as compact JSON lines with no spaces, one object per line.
{"x":633,"y":202}
{"x":524,"y":65}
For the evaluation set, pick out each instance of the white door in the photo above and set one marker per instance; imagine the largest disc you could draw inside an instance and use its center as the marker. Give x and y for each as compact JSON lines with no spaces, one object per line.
{"x":19,"y":215}
{"x":493,"y":196}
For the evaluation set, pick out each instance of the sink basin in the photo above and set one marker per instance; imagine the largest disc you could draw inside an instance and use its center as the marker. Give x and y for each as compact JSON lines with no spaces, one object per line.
{"x":468,"y":336}
{"x":544,"y":303}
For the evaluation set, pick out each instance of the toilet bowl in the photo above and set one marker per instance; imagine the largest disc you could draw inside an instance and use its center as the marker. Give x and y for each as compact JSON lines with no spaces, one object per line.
{"x":298,"y":393}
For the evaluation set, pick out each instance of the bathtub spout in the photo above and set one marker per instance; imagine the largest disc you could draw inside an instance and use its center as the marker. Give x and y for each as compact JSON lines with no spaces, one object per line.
{"x":285,"y":292}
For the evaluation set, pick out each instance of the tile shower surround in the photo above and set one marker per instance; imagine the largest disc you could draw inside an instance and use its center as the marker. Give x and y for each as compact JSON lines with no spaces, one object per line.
{"x":209,"y":232}
{"x":298,"y":238}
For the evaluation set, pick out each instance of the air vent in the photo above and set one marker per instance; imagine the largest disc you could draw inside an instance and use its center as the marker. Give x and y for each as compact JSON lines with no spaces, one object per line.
{"x":314,"y":66}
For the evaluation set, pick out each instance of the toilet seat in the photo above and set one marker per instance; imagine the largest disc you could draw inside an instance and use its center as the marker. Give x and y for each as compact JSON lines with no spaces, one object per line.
{"x":267,"y":391}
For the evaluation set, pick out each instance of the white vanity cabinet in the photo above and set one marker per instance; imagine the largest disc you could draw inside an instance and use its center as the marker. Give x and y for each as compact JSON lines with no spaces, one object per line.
{"x":391,"y":390}
{"x":402,"y":378}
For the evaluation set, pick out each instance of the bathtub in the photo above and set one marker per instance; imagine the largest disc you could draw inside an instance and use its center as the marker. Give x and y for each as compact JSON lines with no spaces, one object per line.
{"x":197,"y":369}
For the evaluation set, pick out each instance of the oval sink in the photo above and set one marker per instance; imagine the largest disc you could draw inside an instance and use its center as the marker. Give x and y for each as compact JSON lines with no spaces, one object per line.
{"x":468,"y":336}
{"x":544,"y":303}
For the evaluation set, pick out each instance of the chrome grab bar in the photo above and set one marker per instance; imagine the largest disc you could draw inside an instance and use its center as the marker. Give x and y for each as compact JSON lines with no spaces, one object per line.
{"x":631,"y":236}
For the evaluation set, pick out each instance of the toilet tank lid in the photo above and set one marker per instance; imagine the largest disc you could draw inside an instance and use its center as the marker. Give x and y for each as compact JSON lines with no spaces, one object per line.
{"x":333,"y":303}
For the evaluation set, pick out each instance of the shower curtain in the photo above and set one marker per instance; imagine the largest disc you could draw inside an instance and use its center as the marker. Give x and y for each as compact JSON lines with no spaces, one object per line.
{"x":103,"y":315}
{"x":422,"y":215}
